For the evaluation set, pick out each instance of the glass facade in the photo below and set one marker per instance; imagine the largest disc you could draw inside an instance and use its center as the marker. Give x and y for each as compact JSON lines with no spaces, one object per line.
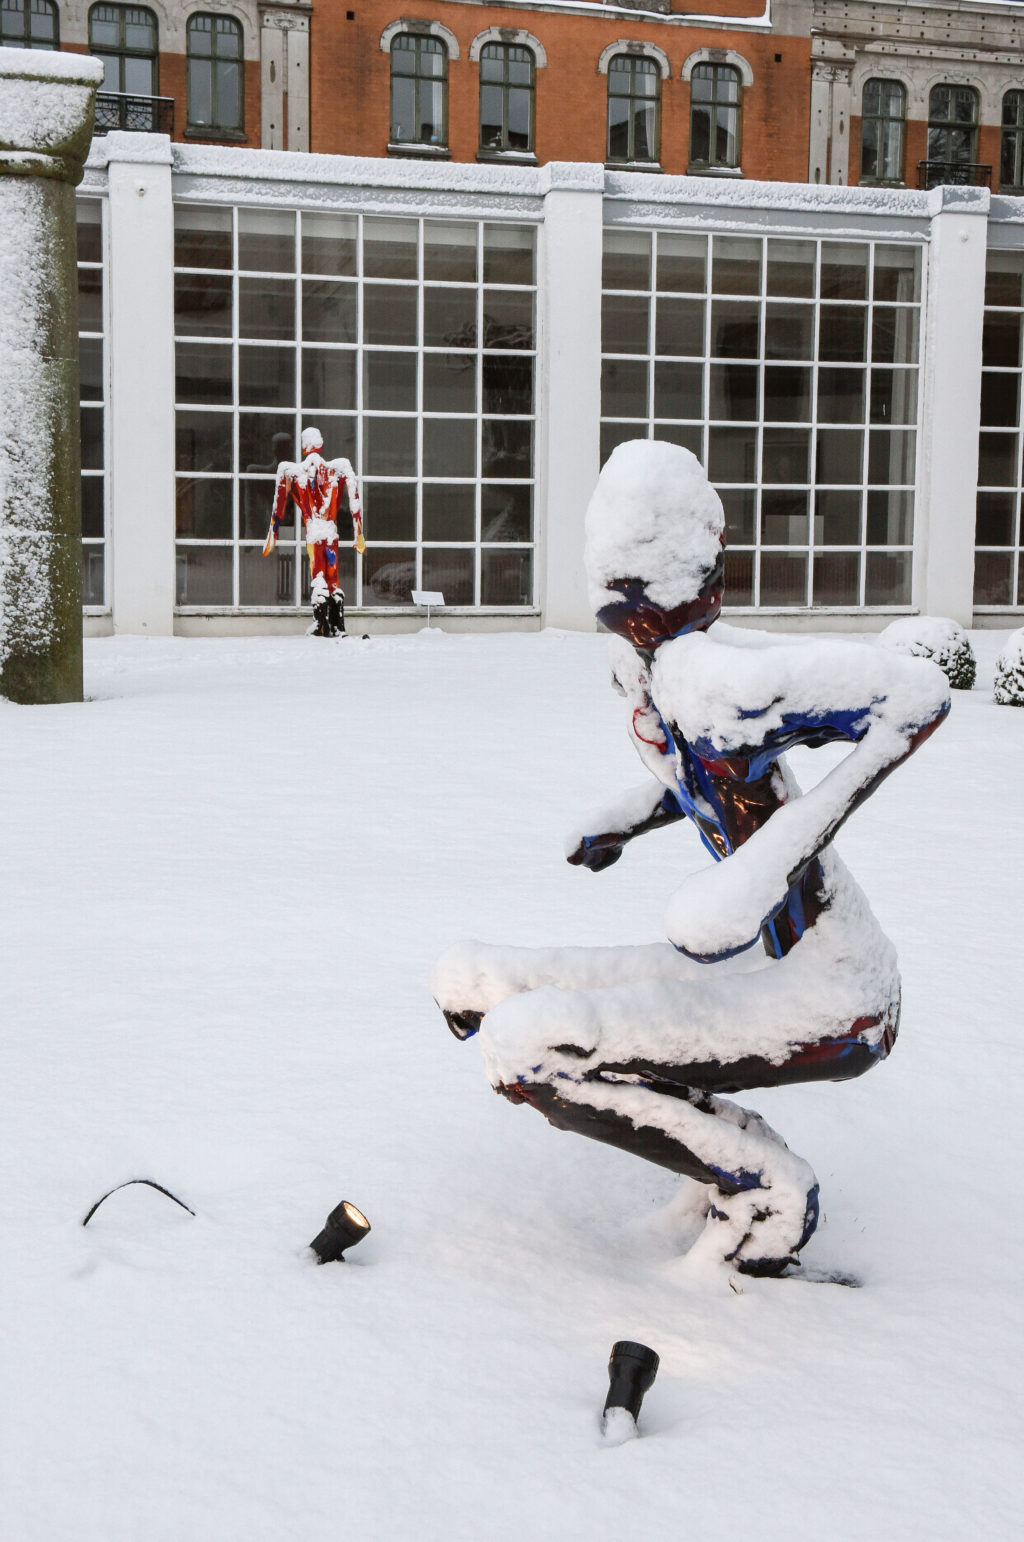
{"x":410,"y":344}
{"x":634,"y":105}
{"x":93,"y":396}
{"x":789,"y":368}
{"x":882,"y":125}
{"x":998,"y":571}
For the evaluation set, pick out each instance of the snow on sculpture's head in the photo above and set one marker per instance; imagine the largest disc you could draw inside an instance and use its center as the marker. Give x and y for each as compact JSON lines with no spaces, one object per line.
{"x":655,"y":544}
{"x":312,"y":439}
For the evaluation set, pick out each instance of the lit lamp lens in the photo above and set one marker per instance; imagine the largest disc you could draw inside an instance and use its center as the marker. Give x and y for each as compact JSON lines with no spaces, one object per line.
{"x":344,"y":1227}
{"x":631,"y":1372}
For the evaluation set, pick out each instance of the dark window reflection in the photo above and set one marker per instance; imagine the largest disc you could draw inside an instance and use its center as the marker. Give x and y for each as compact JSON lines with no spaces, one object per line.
{"x":329,"y":312}
{"x":506,"y":448}
{"x":92,"y":575}
{"x":732,"y":455}
{"x":389,"y":575}
{"x":506,"y":577}
{"x":508,"y":383}
{"x":678,"y":391}
{"x":203,"y":508}
{"x":993,"y":578}
{"x":739,"y":503}
{"x":203,"y":441}
{"x":783,"y":579}
{"x":449,"y":317}
{"x":90,"y":369}
{"x":508,"y":318}
{"x":837,"y":517}
{"x":389,"y":447}
{"x":734,"y":392}
{"x":449,"y":382}
{"x":267,"y":580}
{"x":262,"y":436}
{"x":994,"y":520}
{"x":1000,"y":401}
{"x":389,"y":511}
{"x":506,"y":513}
{"x":90,"y":299}
{"x":266,"y":307}
{"x":451,"y":572}
{"x":266,"y":377}
{"x":389,"y":314}
{"x":787,"y":395}
{"x":92,"y":507}
{"x":329,"y":379}
{"x":203,"y":373}
{"x":202,"y":305}
{"x":389,"y":382}
{"x":449,"y":512}
{"x":888,"y":578}
{"x":204,"y":575}
{"x":890,"y":518}
{"x":679,"y":328}
{"x":624,"y":388}
{"x":449,"y":447}
{"x":202,"y":237}
{"x":784,"y":518}
{"x":785,"y":455}
{"x":739,"y":577}
{"x":837,"y":578}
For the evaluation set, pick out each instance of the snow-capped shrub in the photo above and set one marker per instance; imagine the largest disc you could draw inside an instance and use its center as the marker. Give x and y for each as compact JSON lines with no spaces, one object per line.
{"x":935,"y":637}
{"x":1009,"y":682}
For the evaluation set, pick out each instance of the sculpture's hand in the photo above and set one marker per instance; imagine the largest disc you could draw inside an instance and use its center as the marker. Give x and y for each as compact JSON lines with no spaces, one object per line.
{"x":596,"y":852}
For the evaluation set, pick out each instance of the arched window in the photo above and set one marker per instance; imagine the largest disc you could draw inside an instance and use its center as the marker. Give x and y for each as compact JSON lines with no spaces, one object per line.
{"x":883,"y":116}
{"x":1011,"y":157}
{"x":506,"y":97}
{"x":419,"y":90}
{"x":28,"y":24}
{"x":634,"y":100}
{"x":125,"y":38}
{"x":715,"y":91}
{"x":214,"y":85}
{"x":952,"y":133}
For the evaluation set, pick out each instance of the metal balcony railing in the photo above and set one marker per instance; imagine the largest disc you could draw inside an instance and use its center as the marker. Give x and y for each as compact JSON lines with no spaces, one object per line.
{"x":143,"y":114}
{"x":953,"y":173}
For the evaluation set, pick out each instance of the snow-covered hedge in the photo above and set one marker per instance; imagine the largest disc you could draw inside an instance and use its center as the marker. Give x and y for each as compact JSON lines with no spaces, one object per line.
{"x":935,"y":637}
{"x":1009,"y":681}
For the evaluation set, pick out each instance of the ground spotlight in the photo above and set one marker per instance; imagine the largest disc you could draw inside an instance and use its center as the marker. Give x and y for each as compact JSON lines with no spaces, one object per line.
{"x":631,"y":1372}
{"x":343,"y":1228}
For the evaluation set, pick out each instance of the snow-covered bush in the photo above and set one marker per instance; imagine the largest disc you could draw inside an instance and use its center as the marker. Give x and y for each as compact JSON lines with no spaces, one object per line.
{"x":935,"y":637}
{"x":1009,"y":681}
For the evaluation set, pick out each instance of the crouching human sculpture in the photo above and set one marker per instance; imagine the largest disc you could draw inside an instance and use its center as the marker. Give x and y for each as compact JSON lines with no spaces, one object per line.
{"x":635,"y":1045}
{"x":318,"y":487}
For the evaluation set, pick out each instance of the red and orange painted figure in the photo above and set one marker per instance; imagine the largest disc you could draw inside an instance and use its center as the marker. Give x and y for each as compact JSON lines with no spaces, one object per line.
{"x":318,"y":487}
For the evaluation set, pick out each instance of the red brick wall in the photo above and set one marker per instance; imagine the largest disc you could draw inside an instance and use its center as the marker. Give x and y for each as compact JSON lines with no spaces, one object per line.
{"x":350,"y":85}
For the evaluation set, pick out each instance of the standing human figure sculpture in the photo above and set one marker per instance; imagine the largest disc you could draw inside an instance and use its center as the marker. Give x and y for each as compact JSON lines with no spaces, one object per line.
{"x":635,"y":1045}
{"x":320,"y":488}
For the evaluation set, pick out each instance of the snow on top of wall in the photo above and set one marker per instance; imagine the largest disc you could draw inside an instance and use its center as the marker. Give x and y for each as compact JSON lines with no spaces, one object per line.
{"x":734,"y":193}
{"x":654,"y":516}
{"x":42,"y":64}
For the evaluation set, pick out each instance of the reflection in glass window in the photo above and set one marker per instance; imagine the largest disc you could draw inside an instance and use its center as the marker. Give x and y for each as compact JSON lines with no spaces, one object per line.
{"x":124,"y":37}
{"x":634,"y":101}
{"x":29,"y":24}
{"x":419,"y":90}
{"x":506,"y":98}
{"x":214,"y":78}
{"x":93,"y":392}
{"x":714,"y":117}
{"x":789,"y":368}
{"x":953,"y":129}
{"x":410,"y":344}
{"x":1011,"y":155}
{"x":998,"y":564}
{"x":883,"y":118}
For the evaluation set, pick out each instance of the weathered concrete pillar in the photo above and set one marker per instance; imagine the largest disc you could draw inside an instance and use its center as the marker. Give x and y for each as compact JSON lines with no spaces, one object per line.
{"x":46,"y":116}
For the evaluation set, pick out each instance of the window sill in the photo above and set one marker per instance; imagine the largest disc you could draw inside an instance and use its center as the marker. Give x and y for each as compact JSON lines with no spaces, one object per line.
{"x":507,"y":158}
{"x":421,"y":152}
{"x":714,"y":171}
{"x":1011,"y":192}
{"x":217,"y":136}
{"x":648,"y":166}
{"x":880,"y":182}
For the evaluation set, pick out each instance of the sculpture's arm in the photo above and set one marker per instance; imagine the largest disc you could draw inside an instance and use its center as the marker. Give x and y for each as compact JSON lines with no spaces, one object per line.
{"x":281,"y":495}
{"x":351,"y":484}
{"x":720,"y":911}
{"x":600,"y":839}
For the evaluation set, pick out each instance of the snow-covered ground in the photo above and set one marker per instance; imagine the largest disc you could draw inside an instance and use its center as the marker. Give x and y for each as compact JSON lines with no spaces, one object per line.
{"x":224,"y":880}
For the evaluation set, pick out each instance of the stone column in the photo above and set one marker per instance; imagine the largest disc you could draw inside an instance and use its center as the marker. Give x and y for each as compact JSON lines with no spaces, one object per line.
{"x":569,"y":361}
{"x":46,"y":116}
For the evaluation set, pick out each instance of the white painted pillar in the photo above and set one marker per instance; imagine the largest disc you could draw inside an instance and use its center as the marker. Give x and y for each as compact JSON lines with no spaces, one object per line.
{"x":839,"y":149}
{"x":141,"y":356}
{"x":298,"y":85}
{"x":569,"y":361}
{"x":951,"y":413}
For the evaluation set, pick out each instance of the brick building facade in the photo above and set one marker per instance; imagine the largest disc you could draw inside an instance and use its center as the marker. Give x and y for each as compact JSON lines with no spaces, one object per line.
{"x":825,"y":91}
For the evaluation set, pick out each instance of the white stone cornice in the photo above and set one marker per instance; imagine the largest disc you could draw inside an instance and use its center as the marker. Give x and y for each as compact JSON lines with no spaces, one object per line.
{"x":419,"y":28}
{"x":633,"y":47}
{"x":517,"y":36}
{"x":719,"y":56}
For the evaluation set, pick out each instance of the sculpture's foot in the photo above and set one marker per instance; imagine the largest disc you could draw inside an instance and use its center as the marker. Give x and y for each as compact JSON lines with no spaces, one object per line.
{"x":463,"y":1024}
{"x":766,"y":1227}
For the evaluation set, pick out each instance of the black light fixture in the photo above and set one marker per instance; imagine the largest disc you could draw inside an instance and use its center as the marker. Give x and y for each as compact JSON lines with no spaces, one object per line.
{"x":343,"y":1228}
{"x":631,"y":1372}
